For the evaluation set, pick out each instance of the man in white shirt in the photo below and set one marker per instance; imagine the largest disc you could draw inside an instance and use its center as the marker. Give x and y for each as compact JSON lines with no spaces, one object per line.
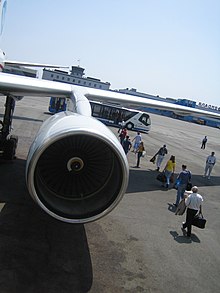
{"x":194,"y":205}
{"x":210,"y":163}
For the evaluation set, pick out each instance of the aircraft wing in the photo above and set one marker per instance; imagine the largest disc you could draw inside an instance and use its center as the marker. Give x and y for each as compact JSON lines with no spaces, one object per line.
{"x":28,"y":64}
{"x":65,"y":171}
{"x":131,"y":101}
{"x":25,"y":86}
{"x":16,"y":85}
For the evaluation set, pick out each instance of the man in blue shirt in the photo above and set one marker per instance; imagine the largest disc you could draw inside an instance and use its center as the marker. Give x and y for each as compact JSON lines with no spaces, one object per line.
{"x":183,"y":179}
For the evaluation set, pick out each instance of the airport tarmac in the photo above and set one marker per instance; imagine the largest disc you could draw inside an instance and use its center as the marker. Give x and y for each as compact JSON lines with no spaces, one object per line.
{"x":138,"y":247}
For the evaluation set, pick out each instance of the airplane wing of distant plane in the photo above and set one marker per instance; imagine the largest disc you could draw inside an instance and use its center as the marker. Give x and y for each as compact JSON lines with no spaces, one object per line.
{"x":29,"y":64}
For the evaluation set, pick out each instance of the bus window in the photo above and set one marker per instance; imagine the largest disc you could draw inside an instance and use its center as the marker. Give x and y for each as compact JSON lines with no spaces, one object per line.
{"x":118,"y":116}
{"x":106,"y":112}
{"x":115,"y":115}
{"x":145,"y":119}
{"x":128,"y":114}
{"x":96,"y":110}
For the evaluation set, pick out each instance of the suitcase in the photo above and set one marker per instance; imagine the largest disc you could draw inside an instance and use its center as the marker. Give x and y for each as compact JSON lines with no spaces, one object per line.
{"x":199,"y":221}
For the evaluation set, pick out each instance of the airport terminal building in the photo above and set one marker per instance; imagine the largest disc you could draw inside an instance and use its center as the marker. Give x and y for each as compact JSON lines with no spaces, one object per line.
{"x":76,"y":77}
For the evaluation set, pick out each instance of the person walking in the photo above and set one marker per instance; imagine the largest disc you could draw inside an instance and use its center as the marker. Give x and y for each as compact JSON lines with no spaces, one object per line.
{"x":194,"y":205}
{"x":123,"y":134}
{"x":139,"y":153}
{"x":127,"y":145}
{"x":137,"y":140}
{"x":169,"y":169}
{"x":204,"y":141}
{"x":57,"y":108}
{"x":183,"y":178}
{"x":210,"y":163}
{"x":160,"y":156}
{"x":121,"y":125}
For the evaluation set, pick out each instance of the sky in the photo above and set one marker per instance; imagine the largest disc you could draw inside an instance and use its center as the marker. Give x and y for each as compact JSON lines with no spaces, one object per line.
{"x":169,"y":48}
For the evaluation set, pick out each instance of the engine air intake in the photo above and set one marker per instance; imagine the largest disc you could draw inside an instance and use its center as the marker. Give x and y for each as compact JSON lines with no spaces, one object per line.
{"x":77,"y":175}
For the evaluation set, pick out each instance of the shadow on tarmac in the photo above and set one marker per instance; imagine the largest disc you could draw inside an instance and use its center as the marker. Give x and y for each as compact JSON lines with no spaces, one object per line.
{"x":37,"y":252}
{"x":139,"y":176}
{"x":25,"y":118}
{"x":183,"y":239}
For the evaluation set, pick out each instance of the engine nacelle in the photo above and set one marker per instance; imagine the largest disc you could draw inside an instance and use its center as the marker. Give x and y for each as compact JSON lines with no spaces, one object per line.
{"x":76,"y":168}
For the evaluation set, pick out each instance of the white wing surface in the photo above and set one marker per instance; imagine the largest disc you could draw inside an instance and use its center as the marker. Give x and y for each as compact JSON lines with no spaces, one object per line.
{"x":24,"y":86}
{"x":29,"y":64}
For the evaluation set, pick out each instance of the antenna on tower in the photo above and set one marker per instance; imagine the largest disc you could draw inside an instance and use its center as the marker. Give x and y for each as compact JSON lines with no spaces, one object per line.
{"x":78,"y":62}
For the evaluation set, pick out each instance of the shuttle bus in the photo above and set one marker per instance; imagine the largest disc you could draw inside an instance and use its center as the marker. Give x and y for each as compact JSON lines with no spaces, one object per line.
{"x":110,"y":115}
{"x":118,"y":116}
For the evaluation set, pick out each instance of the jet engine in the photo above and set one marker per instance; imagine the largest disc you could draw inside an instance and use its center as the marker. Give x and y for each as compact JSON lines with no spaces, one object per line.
{"x":76,"y":168}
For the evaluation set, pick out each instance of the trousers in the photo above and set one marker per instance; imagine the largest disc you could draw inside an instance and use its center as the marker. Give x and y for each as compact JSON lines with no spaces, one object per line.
{"x":208,"y":169}
{"x":180,"y":193}
{"x":190,"y":214}
{"x":159,"y":160}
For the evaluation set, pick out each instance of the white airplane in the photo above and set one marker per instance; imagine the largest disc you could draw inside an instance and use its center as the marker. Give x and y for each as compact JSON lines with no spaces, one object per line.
{"x":76,"y":168}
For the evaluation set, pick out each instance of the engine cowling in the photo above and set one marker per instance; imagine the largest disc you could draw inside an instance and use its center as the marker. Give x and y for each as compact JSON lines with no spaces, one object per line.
{"x":76,"y":168}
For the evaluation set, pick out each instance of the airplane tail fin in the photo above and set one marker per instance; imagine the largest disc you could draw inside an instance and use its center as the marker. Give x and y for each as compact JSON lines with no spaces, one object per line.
{"x":3,"y":6}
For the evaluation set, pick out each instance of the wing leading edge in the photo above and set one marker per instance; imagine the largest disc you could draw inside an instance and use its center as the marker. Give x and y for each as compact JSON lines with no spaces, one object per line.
{"x":29,"y":64}
{"x":24,"y":86}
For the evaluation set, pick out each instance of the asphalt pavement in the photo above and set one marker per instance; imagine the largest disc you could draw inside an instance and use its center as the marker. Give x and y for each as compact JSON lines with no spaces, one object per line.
{"x":138,"y":247}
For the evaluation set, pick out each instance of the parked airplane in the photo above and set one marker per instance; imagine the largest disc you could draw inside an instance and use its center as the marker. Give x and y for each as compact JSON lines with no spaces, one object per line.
{"x":76,"y":169}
